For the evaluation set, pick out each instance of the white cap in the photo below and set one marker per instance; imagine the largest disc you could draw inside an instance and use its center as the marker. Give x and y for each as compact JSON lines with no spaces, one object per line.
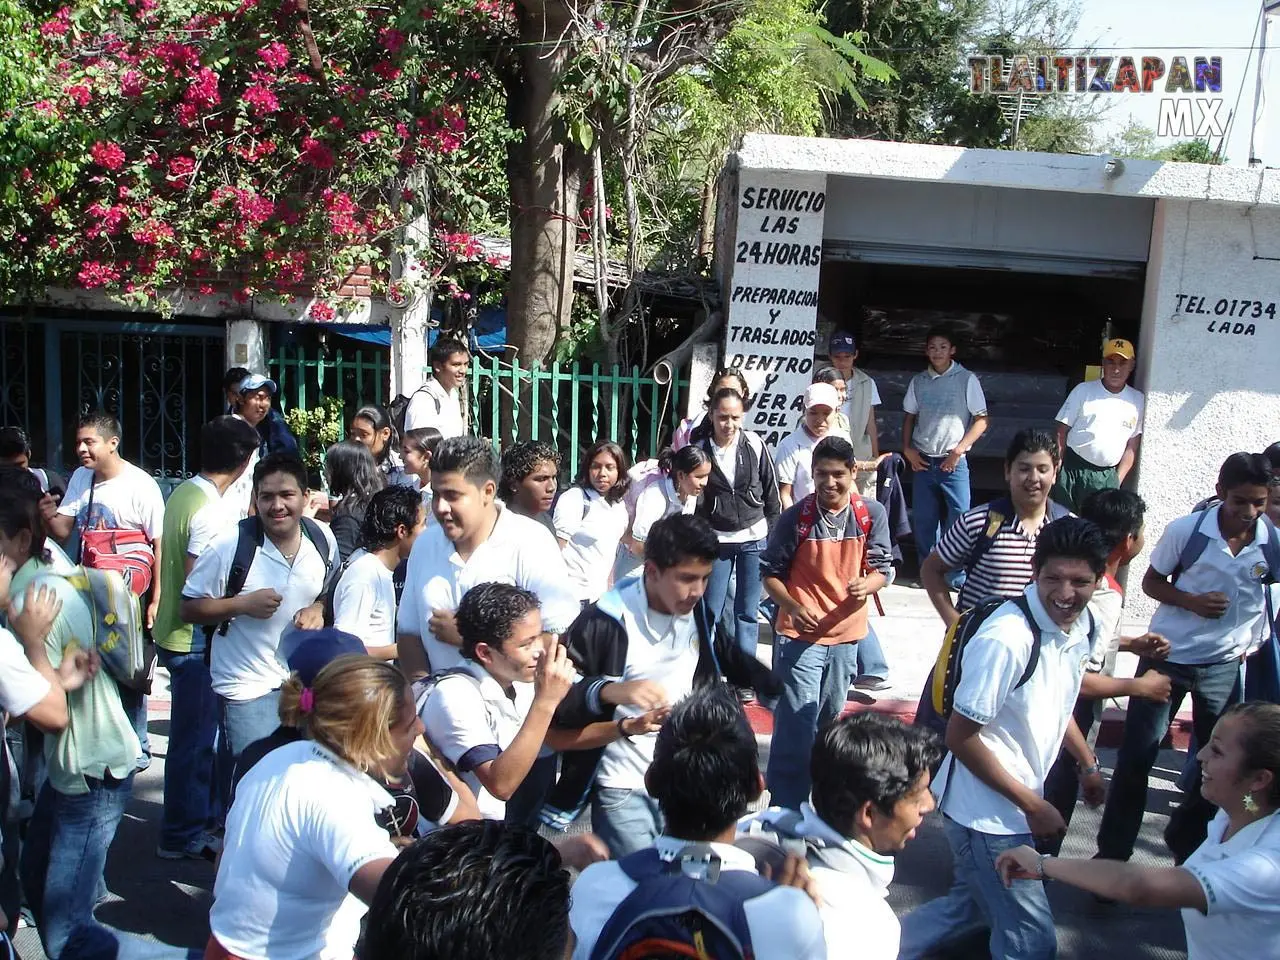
{"x":821,"y":395}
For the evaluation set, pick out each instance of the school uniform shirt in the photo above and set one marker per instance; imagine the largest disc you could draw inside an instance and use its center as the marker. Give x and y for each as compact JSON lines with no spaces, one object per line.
{"x":1004,"y":570}
{"x":434,"y":406}
{"x":245,"y":663}
{"x":1195,"y":640}
{"x":471,"y":719}
{"x":658,"y":501}
{"x":303,"y":822}
{"x":1101,"y":423}
{"x":218,"y":515}
{"x":240,"y":494}
{"x":1107,"y":607}
{"x":519,"y":551}
{"x":1241,"y":882}
{"x":131,"y":500}
{"x":794,"y":460}
{"x":592,"y":528}
{"x":1022,"y":726}
{"x":190,"y":500}
{"x":944,"y":418}
{"x":21,"y":685}
{"x":784,"y":922}
{"x":364,"y":601}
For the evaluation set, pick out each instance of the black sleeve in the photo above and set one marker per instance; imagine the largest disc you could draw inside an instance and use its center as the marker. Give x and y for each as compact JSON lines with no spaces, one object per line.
{"x":584,"y":646}
{"x":346,"y":531}
{"x":769,"y":487}
{"x":432,"y":790}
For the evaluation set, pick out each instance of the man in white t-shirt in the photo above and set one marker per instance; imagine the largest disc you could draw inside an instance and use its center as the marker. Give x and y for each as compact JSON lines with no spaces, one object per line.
{"x":490,"y":715}
{"x":476,"y":540}
{"x":1004,"y":736}
{"x":794,"y":459}
{"x":437,"y":403}
{"x":364,"y":594}
{"x":1099,"y":427}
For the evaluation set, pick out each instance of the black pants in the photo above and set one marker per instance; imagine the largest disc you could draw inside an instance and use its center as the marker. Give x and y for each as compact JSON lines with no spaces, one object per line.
{"x":1062,"y":785}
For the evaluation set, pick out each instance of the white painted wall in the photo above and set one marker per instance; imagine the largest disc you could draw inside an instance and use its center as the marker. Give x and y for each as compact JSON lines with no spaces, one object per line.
{"x":247,"y":345}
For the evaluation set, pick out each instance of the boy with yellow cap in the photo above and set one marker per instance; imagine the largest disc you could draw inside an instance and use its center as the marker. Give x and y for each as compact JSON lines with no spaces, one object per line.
{"x":1099,"y":427}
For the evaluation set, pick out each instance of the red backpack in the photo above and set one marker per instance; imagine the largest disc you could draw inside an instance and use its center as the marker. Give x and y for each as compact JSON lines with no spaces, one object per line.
{"x":809,"y":515}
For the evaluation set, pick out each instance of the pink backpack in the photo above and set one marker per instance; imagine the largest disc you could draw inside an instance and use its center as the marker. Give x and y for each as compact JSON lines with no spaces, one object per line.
{"x":643,"y":475}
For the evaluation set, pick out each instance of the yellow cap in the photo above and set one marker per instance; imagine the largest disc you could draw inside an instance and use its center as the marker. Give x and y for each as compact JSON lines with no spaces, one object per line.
{"x":1118,"y":348}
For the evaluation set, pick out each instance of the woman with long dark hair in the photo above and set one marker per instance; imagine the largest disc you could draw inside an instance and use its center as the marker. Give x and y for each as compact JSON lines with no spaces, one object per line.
{"x":353,"y":478}
{"x":726,"y":378}
{"x":417,"y":447}
{"x":591,"y":518}
{"x":372,"y":426}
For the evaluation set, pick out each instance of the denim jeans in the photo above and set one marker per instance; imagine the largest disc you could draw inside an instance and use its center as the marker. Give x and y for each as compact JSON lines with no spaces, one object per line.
{"x":241,"y":722}
{"x":742,"y":559}
{"x":626,"y":820}
{"x":871,"y":661}
{"x":937,"y":498}
{"x":190,"y":794}
{"x":1213,"y":687}
{"x":1019,"y":916}
{"x":135,"y":707}
{"x":65,"y":854}
{"x":815,"y":680}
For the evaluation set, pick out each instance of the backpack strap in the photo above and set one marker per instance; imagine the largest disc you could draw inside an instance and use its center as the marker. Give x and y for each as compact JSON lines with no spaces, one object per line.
{"x":1033,"y":661}
{"x":861,"y":513}
{"x":331,"y":588}
{"x":1192,"y":549}
{"x":249,"y":539}
{"x":808,"y":516}
{"x":998,"y":511}
{"x":312,"y":530}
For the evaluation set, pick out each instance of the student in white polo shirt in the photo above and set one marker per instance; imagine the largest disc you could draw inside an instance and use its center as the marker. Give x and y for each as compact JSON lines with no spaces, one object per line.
{"x":490,"y":715}
{"x":591,"y":518}
{"x":1209,"y":573}
{"x":476,"y":540}
{"x":287,"y":574}
{"x":1004,"y":736}
{"x":364,"y":592}
{"x":1099,"y":427}
{"x":794,"y":458}
{"x":437,"y":403}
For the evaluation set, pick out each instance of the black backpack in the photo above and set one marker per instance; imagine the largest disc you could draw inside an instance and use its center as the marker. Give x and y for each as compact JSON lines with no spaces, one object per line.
{"x":400,"y":406}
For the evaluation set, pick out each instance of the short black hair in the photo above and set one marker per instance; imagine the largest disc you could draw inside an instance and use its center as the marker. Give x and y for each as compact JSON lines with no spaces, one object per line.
{"x":943,"y":330}
{"x":685,"y":460}
{"x":835,"y":448}
{"x":14,"y":442}
{"x":1119,"y":514}
{"x":868,"y":757}
{"x":827,"y":375}
{"x":231,"y":379}
{"x":520,"y":459}
{"x":444,"y":348}
{"x":487,"y":613}
{"x":706,"y":765}
{"x":481,"y":888}
{"x":680,"y":537}
{"x":388,"y":509}
{"x":470,"y":456}
{"x":106,"y":425}
{"x":280,"y":463}
{"x":226,"y":444}
{"x":1075,"y":539}
{"x":1272,"y":453}
{"x":20,"y":495}
{"x":1033,"y":440}
{"x":736,"y":372}
{"x":620,"y":458}
{"x":1244,"y":470}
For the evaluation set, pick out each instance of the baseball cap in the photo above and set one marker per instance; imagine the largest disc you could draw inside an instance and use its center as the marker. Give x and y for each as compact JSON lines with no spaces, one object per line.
{"x":255,"y":381}
{"x":821,"y":395}
{"x":842,"y":343}
{"x":1118,"y":348}
{"x":310,"y":651}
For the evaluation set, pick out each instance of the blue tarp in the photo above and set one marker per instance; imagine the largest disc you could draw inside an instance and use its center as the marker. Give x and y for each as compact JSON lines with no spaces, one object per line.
{"x":489,"y":332}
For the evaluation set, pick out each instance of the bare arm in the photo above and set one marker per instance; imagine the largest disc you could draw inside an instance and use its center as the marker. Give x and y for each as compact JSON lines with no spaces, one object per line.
{"x":188,"y":562}
{"x":1077,"y":745}
{"x":1168,"y":887}
{"x":976,"y":429}
{"x":61,"y":526}
{"x":1128,"y":458}
{"x":413,"y":656}
{"x":784,"y":494}
{"x":502,"y":775}
{"x":364,"y":882}
{"x":210,"y":609}
{"x":387,"y":651}
{"x":908,"y":428}
{"x":933,"y":577}
{"x":1062,"y":439}
{"x":154,"y":606}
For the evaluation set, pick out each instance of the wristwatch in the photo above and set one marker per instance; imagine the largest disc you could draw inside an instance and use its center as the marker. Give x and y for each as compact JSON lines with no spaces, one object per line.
{"x":1089,"y":771}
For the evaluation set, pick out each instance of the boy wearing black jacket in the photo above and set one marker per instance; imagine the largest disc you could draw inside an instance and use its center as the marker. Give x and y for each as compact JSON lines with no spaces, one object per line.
{"x":645,"y":645}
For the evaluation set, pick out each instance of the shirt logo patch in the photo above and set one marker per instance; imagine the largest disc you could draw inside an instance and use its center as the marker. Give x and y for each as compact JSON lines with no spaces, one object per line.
{"x":1258,"y":571}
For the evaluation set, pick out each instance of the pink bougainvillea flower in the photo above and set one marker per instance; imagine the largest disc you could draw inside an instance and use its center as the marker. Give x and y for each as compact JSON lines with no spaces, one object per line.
{"x":132,"y":83}
{"x":261,"y":100}
{"x":275,"y":55}
{"x":95,"y":274}
{"x":58,"y":25}
{"x":107,"y":155}
{"x":369,"y":136}
{"x":386,"y":70}
{"x":316,"y":154}
{"x":180,"y":170}
{"x":176,"y":55}
{"x":322,"y":312}
{"x":203,"y":89}
{"x":391,"y":39}
{"x":79,"y":93}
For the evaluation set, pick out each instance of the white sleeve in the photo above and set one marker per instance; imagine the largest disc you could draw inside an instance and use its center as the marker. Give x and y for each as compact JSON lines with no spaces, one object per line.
{"x":540,"y":569}
{"x":354,"y":602}
{"x":205,"y":526}
{"x":21,"y":685}
{"x":342,"y":842}
{"x":974,"y":396}
{"x":788,"y":460}
{"x":991,"y":665}
{"x":1168,"y":551}
{"x":208,"y":578}
{"x":151,"y":507}
{"x":909,"y":404}
{"x":650,"y":508}
{"x":1070,"y":406}
{"x":457,"y":723}
{"x":409,"y":613}
{"x":569,"y":512}
{"x":423,"y":411}
{"x":875,"y":393}
{"x":1246,"y":882}
{"x":77,"y":495}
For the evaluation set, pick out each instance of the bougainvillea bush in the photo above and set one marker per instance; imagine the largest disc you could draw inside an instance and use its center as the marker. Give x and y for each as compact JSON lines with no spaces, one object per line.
{"x":246,"y":146}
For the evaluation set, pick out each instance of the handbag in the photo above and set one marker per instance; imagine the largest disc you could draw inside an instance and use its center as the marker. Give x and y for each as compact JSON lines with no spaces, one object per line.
{"x":127,"y":552}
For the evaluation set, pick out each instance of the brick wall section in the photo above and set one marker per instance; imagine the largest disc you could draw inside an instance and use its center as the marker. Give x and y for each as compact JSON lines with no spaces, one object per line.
{"x":356,"y":285}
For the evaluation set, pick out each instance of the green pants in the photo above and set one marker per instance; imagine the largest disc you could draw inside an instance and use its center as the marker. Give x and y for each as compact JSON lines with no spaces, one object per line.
{"x":1078,"y":478}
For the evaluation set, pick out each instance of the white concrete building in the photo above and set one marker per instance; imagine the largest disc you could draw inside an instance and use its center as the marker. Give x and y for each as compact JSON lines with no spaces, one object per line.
{"x":1037,"y":258}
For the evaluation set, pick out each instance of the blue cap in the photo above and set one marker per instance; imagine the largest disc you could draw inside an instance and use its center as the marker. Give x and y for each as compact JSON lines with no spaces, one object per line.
{"x":256,"y":381}
{"x":309,"y":651}
{"x":842,"y":343}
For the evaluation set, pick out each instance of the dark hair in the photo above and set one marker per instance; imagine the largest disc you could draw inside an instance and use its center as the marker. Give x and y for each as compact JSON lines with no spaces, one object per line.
{"x":1119,"y":514}
{"x":835,"y":448}
{"x":280,"y":463}
{"x":388,"y":509}
{"x":423,"y":439}
{"x":226,"y":444}
{"x":868,"y":757}
{"x":481,"y":888}
{"x":685,"y":460}
{"x":744,"y":393}
{"x":1033,"y":440}
{"x":233,"y":377}
{"x":619,"y":488}
{"x":470,"y":456}
{"x":827,"y":375}
{"x":487,"y":613}
{"x":520,"y":459}
{"x":722,"y":394}
{"x":940,"y":330}
{"x":380,"y":420}
{"x":1073,"y":539}
{"x":352,"y":474}
{"x":1244,"y":470}
{"x":706,"y":767}
{"x":1272,"y":453}
{"x":20,"y":495}
{"x":1261,"y":741}
{"x":104,"y":423}
{"x":444,"y":348}
{"x":680,"y":537}
{"x":14,"y":443}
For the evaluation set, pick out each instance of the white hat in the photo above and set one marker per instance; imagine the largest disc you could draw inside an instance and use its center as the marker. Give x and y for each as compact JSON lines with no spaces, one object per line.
{"x":821,"y":395}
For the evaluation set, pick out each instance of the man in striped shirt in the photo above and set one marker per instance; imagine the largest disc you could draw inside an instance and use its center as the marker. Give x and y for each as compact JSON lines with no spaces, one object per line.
{"x":994,"y":543}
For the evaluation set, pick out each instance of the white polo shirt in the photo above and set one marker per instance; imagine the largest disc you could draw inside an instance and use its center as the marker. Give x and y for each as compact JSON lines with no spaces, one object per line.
{"x":434,"y":406}
{"x":21,"y":685}
{"x":794,"y":460}
{"x":1101,"y":423}
{"x":1022,"y":727}
{"x":213,"y":519}
{"x":470,"y":719}
{"x":1193,"y":639}
{"x":1241,"y":882}
{"x":519,"y":551}
{"x":784,"y":922}
{"x":656,"y":502}
{"x":245,"y":663}
{"x":592,"y":528}
{"x":364,"y":601}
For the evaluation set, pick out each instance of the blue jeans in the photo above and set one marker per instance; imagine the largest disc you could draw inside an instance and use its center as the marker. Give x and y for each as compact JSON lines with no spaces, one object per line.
{"x":871,"y":661}
{"x":135,"y":706}
{"x":65,"y":855}
{"x":242,"y":722}
{"x":626,"y":820}
{"x":190,"y":795}
{"x":1213,"y":687}
{"x":815,"y":680}
{"x":1019,"y":916}
{"x":744,"y":560}
{"x":937,"y":498}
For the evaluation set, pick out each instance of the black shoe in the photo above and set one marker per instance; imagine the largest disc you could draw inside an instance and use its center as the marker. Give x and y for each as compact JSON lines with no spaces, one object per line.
{"x":873,"y":684}
{"x":746,"y":695}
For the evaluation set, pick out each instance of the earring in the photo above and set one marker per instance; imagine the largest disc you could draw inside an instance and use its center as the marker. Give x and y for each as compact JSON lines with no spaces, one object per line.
{"x":1250,"y":804}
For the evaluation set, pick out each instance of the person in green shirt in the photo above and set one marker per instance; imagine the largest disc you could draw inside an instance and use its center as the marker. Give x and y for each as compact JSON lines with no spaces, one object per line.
{"x":195,"y":515}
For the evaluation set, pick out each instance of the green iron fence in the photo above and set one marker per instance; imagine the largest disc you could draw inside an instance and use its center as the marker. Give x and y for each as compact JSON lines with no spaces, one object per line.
{"x":306,"y":374}
{"x":571,"y":406}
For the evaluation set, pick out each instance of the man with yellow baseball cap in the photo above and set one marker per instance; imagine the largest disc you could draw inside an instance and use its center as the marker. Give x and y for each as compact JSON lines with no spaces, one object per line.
{"x":1099,"y":427}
